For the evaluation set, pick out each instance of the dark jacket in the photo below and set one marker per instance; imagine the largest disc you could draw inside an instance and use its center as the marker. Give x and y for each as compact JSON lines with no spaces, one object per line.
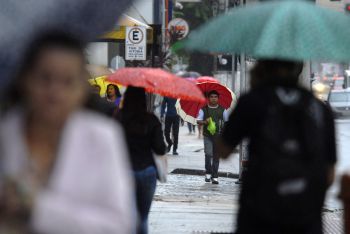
{"x":144,"y":136}
{"x":217,"y":115}
{"x":248,"y":121}
{"x":169,"y":105}
{"x":101,"y":105}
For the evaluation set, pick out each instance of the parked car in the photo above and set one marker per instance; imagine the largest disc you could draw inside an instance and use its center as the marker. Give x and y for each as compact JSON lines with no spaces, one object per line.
{"x":339,"y":100}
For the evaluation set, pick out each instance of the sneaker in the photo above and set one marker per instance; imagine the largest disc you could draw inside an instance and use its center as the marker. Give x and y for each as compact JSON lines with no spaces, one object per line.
{"x":207,"y":178}
{"x":175,"y":153}
{"x":214,"y":181}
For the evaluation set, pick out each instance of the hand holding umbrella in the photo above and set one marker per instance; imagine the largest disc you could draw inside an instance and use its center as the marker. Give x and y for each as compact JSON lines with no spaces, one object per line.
{"x":188,"y":110}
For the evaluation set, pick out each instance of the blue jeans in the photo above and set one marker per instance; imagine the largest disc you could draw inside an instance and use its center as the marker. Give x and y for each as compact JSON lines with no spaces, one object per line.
{"x":211,"y":160}
{"x":146,"y":181}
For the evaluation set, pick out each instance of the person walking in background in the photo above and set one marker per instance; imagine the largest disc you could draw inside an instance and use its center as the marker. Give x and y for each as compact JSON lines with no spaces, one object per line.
{"x":172,"y":122}
{"x":63,"y":169}
{"x":113,"y":95}
{"x":292,"y":152}
{"x":191,"y":128}
{"x":144,"y":136}
{"x":96,"y":103}
{"x":212,"y":115}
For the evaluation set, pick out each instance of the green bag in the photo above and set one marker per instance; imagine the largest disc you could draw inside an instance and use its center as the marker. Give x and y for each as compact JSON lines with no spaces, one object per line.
{"x":211,"y":126}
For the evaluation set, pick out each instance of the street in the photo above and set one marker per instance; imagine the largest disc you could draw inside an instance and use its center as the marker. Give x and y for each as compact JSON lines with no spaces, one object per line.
{"x":186,"y":204}
{"x":343,"y":165}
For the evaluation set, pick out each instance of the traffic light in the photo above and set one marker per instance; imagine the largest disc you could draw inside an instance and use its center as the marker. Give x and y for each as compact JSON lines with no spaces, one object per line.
{"x":347,"y":8}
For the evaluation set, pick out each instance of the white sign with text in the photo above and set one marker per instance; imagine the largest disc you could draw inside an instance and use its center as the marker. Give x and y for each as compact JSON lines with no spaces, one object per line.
{"x":135,"y":43}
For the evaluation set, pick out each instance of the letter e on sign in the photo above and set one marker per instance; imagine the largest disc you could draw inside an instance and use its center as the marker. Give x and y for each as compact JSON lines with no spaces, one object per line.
{"x":136,"y":36}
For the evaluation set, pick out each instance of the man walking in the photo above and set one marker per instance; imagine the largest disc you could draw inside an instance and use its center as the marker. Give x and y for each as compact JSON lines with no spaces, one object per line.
{"x":212,"y":117}
{"x":292,"y":152}
{"x":172,"y":122}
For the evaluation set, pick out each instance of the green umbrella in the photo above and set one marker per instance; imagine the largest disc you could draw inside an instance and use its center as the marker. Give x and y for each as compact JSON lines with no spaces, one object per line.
{"x":292,"y":30}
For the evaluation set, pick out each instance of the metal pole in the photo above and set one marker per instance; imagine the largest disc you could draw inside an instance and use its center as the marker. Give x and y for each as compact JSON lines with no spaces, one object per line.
{"x":243,"y":149}
{"x":306,"y":75}
{"x":234,"y":73}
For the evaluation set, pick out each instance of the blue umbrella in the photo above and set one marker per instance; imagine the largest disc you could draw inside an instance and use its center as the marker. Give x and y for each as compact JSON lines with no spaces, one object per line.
{"x":21,"y":20}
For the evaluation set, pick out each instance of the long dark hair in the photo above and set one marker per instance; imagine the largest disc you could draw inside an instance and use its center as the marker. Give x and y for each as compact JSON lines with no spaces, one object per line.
{"x":275,"y":72}
{"x":134,"y":115}
{"x":117,"y":91}
{"x":44,"y":41}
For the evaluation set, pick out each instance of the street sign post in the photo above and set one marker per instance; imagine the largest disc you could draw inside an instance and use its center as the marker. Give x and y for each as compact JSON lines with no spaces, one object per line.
{"x":135,"y":43}
{"x":243,"y":149}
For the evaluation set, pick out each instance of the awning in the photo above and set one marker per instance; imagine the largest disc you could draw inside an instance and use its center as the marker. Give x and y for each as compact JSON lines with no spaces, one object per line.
{"x":126,"y":21}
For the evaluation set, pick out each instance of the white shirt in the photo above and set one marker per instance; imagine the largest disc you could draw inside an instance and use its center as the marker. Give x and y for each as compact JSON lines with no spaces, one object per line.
{"x":200,"y":116}
{"x":90,"y":189}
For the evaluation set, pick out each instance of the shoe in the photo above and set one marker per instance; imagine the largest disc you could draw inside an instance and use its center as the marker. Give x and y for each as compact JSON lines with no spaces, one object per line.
{"x":207,"y":178}
{"x":175,"y":153}
{"x":169,"y":148}
{"x":214,"y":181}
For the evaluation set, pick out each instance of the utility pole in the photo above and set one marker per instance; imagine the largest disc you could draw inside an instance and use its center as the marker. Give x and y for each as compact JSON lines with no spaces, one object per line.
{"x":239,"y":90}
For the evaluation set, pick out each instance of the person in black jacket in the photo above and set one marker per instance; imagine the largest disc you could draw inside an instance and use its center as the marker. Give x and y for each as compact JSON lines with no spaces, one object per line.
{"x":144,"y":136}
{"x":292,"y":152}
{"x":172,"y":123}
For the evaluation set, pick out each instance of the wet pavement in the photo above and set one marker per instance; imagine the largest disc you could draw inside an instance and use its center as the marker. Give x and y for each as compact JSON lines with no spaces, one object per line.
{"x":343,"y":165}
{"x":186,"y":204}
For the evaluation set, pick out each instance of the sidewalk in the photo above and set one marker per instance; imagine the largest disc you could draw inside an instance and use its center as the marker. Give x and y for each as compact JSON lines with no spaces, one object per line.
{"x":186,"y":204}
{"x":191,"y":150}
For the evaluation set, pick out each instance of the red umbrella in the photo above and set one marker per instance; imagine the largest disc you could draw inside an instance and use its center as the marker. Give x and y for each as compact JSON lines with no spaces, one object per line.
{"x":158,"y":81}
{"x":204,"y":79}
{"x":188,"y":110}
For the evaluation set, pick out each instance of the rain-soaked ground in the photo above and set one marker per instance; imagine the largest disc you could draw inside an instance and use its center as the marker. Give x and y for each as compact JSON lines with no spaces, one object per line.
{"x":186,"y":204}
{"x":343,"y":165}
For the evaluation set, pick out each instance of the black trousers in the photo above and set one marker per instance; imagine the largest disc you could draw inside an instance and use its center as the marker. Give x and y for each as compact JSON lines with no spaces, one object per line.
{"x":172,"y":123}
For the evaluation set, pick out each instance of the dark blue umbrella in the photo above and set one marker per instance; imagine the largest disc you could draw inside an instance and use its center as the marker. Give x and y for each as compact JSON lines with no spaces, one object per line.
{"x":21,"y":20}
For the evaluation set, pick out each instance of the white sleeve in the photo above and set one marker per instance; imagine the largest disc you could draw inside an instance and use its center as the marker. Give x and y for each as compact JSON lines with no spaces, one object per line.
{"x":200,"y":116}
{"x":94,"y":193}
{"x":226,"y":115}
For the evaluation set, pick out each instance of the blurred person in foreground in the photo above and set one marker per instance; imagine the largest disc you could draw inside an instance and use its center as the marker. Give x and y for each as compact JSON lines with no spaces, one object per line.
{"x":212,"y":115}
{"x":292,"y":152}
{"x":63,"y":169}
{"x":144,"y":136}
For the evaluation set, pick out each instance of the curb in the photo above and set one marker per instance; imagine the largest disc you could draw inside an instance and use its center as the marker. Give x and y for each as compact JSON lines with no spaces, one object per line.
{"x":184,"y":171}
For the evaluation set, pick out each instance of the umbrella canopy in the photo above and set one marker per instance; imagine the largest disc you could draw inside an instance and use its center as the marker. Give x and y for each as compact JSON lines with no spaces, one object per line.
{"x":158,"y":81}
{"x":291,"y":30}
{"x":188,"y":110}
{"x":21,"y":20}
{"x":206,"y":79}
{"x":103,"y":83}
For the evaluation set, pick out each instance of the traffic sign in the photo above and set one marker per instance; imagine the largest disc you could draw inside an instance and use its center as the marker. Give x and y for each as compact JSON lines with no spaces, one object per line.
{"x":135,"y":43}
{"x":179,"y":26}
